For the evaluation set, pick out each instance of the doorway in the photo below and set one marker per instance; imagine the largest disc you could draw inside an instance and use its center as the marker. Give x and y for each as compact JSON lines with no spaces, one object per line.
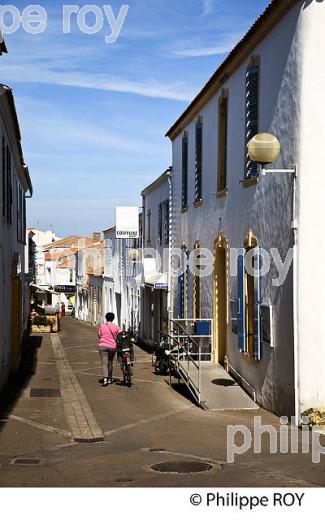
{"x":220,"y":300}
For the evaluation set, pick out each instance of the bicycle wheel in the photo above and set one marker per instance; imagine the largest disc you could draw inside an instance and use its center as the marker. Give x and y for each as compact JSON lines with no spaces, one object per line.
{"x":128,"y":376}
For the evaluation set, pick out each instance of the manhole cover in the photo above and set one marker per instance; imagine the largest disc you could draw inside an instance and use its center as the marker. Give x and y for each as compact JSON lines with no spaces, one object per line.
{"x":45,"y":392}
{"x":88,"y":441}
{"x":182,"y":467}
{"x":26,"y":462}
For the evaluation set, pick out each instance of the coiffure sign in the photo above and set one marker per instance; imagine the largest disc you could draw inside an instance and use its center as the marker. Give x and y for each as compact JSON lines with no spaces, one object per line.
{"x":127,"y":222}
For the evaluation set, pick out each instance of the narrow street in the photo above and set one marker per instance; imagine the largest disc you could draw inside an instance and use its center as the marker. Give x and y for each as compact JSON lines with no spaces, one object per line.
{"x":141,"y":427}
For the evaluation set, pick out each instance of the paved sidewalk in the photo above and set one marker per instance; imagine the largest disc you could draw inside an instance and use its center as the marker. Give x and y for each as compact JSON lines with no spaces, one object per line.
{"x":148,"y":424}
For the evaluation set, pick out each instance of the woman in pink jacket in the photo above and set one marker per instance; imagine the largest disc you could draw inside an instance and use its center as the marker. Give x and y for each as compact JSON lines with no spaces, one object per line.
{"x":107,"y":347}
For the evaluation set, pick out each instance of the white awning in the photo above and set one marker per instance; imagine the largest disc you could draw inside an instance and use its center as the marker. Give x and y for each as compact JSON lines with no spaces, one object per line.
{"x":151,"y":276}
{"x":42,"y":289}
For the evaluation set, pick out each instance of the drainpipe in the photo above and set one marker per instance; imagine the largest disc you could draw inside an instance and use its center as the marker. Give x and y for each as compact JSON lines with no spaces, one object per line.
{"x":170,"y":245}
{"x":294,"y":226}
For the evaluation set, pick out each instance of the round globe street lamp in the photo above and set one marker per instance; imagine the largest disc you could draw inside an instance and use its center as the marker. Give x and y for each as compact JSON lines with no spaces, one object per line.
{"x":264,"y":149}
{"x":133,"y":255}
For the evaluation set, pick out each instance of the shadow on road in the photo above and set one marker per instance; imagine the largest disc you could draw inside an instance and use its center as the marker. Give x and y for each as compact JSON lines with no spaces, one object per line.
{"x":19,"y":381}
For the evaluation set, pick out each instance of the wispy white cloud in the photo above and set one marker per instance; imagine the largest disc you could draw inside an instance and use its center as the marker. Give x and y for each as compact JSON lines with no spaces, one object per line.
{"x":79,"y":135}
{"x":173,"y":90}
{"x":203,"y":51}
{"x":208,"y":6}
{"x":223,"y":45}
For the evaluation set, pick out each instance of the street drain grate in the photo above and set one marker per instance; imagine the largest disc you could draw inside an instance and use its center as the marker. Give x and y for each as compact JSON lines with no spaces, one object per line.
{"x":88,"y":441}
{"x":26,"y":462}
{"x":182,"y":467}
{"x":45,"y":392}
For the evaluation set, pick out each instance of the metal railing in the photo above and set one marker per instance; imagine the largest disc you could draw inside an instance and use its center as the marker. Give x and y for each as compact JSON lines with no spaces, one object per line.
{"x":187,"y":353}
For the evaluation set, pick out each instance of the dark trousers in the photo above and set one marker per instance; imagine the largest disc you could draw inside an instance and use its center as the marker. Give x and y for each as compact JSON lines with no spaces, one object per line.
{"x":107,"y":357}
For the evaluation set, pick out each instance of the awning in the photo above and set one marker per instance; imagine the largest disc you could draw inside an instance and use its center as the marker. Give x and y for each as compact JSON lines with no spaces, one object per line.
{"x":42,"y":289}
{"x":152,"y":277}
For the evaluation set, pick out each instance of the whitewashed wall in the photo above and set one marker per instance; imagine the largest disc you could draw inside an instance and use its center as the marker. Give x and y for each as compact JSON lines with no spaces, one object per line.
{"x":311,"y":253}
{"x":121,"y":286}
{"x":10,"y":246}
{"x":151,"y":203}
{"x":265,"y":208}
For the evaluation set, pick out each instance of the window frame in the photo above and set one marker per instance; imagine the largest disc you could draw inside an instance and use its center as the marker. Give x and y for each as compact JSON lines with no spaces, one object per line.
{"x":160,"y":223}
{"x":148,"y":240}
{"x":166,"y":221}
{"x":197,"y":311}
{"x":222,"y":160}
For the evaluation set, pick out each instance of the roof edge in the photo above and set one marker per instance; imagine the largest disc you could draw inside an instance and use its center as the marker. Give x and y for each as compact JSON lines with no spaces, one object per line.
{"x":262,"y":26}
{"x":157,"y":182}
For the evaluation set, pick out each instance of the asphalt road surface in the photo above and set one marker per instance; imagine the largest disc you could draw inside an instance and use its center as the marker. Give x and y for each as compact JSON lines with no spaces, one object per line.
{"x":143,"y":426}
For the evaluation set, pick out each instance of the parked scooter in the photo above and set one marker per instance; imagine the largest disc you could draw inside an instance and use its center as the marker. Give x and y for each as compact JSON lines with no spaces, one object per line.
{"x":161,"y":357}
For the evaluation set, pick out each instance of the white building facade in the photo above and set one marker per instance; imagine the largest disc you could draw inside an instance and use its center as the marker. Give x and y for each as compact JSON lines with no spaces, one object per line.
{"x":15,"y":187}
{"x":122,"y":279}
{"x":271,"y":82}
{"x":155,"y":257}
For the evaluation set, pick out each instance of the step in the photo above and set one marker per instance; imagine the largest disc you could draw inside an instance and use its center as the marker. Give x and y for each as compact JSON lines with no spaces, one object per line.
{"x":219,"y":391}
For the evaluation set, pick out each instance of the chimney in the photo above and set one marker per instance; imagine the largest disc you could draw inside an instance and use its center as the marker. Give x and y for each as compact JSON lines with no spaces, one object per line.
{"x":97,"y":236}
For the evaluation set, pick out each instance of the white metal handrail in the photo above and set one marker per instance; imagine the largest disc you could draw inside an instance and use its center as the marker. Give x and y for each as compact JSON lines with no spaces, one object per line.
{"x":182,"y":344}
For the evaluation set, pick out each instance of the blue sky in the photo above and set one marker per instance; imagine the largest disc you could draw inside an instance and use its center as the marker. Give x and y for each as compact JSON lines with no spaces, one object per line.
{"x":93,"y":115}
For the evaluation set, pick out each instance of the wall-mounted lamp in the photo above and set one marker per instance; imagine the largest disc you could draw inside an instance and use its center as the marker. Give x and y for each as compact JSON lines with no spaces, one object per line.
{"x":133,"y":255}
{"x":265,"y":149}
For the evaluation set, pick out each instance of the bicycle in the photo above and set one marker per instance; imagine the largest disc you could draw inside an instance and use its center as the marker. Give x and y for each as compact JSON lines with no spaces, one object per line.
{"x":125,"y":354}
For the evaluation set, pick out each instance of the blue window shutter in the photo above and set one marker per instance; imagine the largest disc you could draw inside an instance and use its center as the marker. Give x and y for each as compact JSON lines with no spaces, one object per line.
{"x":257,"y":305}
{"x":180,"y":297}
{"x":251,"y":116}
{"x":184,"y":172}
{"x":198,"y":161}
{"x":241,"y":316}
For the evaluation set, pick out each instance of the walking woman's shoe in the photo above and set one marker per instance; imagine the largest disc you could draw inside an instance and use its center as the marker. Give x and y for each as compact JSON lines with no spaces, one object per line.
{"x":109,"y":381}
{"x":105,"y":381}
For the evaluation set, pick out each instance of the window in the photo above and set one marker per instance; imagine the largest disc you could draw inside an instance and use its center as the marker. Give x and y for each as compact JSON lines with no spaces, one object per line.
{"x":197,"y":284}
{"x":160,"y":231}
{"x":184,"y":170}
{"x":6,"y":183}
{"x":21,"y":209}
{"x":149,"y":226}
{"x":70,"y":275}
{"x":249,"y":299}
{"x":166,"y":221}
{"x":251,"y":114}
{"x":9,"y":186}
{"x":183,"y":284}
{"x":198,"y":159}
{"x":222,"y":143}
